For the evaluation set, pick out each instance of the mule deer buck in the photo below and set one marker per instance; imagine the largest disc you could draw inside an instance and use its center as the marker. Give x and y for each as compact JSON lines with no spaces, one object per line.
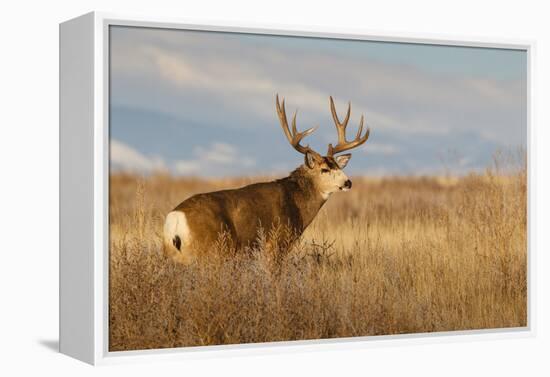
{"x":294,"y":201}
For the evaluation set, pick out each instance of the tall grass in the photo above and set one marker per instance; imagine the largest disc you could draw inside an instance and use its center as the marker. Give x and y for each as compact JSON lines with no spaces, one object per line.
{"x":392,"y":256}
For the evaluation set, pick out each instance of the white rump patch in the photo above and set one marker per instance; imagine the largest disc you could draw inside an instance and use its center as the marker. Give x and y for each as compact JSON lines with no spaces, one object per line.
{"x":176,"y":225}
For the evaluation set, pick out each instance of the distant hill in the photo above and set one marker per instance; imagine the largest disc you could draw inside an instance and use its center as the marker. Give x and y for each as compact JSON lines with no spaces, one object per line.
{"x":175,"y":139}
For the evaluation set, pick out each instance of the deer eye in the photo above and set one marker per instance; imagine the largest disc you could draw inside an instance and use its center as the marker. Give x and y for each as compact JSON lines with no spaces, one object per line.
{"x":324,"y":170}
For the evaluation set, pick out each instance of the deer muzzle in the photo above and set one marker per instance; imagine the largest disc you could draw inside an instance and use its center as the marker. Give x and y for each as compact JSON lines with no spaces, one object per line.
{"x":346,"y":186}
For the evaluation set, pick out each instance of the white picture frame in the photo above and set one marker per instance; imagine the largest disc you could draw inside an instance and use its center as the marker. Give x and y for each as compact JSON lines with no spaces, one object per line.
{"x":84,"y":167}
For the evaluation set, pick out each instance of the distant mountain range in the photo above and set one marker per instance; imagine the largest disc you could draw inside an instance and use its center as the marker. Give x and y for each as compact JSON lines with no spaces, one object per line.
{"x":264,"y":149}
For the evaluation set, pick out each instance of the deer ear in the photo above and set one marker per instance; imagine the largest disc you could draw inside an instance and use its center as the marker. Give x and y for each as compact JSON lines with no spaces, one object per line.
{"x":343,"y":160}
{"x":309,"y":160}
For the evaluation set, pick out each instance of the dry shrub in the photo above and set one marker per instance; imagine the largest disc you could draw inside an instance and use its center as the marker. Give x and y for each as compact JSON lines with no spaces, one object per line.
{"x":392,"y":256}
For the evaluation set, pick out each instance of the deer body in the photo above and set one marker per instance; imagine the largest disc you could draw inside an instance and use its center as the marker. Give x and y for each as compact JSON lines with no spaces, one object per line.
{"x":292,"y":202}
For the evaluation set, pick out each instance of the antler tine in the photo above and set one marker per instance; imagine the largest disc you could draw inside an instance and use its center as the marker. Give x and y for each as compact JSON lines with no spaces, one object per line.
{"x":360,"y":129}
{"x":343,"y":124}
{"x":282,"y":118}
{"x":343,"y":144}
{"x":294,"y":137}
{"x":294,"y":130}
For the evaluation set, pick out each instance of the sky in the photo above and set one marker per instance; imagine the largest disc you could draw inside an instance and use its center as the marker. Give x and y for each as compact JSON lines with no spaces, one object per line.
{"x":196,"y":103}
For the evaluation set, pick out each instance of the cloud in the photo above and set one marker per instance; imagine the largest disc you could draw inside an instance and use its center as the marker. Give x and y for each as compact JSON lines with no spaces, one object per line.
{"x":382,"y":149}
{"x":216,"y":158}
{"x":212,"y":160}
{"x":229,"y":80}
{"x":218,"y":153}
{"x":125,"y":158}
{"x":191,"y":167}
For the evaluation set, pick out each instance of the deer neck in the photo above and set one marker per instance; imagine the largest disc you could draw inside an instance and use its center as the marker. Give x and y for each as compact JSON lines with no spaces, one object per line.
{"x":305,"y":196}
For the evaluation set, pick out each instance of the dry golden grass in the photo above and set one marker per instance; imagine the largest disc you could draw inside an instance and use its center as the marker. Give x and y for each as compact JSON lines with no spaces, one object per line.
{"x":392,"y":256}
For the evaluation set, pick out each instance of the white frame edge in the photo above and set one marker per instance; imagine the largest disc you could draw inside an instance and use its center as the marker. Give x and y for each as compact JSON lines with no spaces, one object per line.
{"x":76,"y":178}
{"x":89,"y":342}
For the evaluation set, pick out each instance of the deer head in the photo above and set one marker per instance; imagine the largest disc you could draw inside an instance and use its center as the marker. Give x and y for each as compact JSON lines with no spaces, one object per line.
{"x":325,"y":171}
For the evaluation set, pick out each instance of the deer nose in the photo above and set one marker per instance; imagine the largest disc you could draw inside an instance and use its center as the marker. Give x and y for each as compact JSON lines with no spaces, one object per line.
{"x":347,"y":184}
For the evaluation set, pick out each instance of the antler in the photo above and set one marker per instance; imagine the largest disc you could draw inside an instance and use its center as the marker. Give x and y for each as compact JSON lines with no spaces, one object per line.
{"x":343,"y":144}
{"x":293,"y":137}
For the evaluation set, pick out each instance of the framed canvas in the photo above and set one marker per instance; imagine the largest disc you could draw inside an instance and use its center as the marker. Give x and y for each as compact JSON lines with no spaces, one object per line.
{"x":202,"y":214}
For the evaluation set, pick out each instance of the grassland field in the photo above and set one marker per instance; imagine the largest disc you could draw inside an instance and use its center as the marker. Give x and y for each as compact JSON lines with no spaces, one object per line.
{"x":394,"y":255}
